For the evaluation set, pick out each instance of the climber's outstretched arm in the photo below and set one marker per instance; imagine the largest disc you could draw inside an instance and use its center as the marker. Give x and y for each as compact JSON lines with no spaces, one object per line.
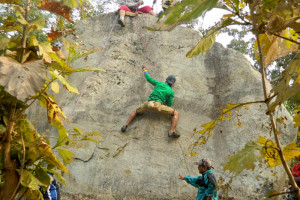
{"x":148,"y":77}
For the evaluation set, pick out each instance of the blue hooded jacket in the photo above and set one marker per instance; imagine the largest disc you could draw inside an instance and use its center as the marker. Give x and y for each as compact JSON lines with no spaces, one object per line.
{"x":208,"y":189}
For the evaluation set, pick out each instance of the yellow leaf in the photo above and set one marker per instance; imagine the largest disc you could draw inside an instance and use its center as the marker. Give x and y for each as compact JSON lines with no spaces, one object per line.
{"x":238,"y":124}
{"x":297,"y":117}
{"x":44,"y":49}
{"x":55,"y":87}
{"x":192,"y":154}
{"x":291,"y":151}
{"x":283,"y":89}
{"x":229,"y":115}
{"x":228,"y":15}
{"x":271,"y":153}
{"x":222,"y":118}
{"x":280,"y":120}
{"x":33,"y":41}
{"x":208,"y":126}
{"x":297,"y":81}
{"x":263,"y":141}
{"x":50,"y":157}
{"x":274,"y":47}
{"x":55,"y":113}
{"x":232,"y":106}
{"x":64,"y":81}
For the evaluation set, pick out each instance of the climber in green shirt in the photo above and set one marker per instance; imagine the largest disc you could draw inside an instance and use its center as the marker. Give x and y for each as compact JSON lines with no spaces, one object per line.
{"x":162,"y":94}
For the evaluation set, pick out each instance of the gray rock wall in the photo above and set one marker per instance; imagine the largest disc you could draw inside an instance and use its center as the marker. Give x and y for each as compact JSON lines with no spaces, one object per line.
{"x":144,"y":163}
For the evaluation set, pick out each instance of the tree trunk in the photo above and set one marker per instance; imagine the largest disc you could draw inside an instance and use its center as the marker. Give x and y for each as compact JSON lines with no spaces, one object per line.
{"x":274,"y":128}
{"x":11,"y":176}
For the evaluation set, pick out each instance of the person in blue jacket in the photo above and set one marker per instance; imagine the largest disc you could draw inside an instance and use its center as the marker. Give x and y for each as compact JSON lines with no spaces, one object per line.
{"x":206,"y":184}
{"x":52,"y":192}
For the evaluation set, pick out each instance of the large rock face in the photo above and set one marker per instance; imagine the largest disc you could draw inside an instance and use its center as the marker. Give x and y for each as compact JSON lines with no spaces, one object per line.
{"x":144,"y":163}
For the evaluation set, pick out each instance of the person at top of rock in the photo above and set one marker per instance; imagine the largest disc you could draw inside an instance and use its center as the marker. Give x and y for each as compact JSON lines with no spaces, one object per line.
{"x":166,"y":3}
{"x":206,"y":183}
{"x":160,"y":101}
{"x":132,"y":8}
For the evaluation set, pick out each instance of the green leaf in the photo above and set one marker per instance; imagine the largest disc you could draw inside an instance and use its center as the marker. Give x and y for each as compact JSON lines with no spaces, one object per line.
{"x":3,"y":41}
{"x":70,"y":70}
{"x":75,"y":55}
{"x":58,"y":176}
{"x":62,"y":134}
{"x":66,"y":155}
{"x":60,"y":64}
{"x":94,"y":133}
{"x":209,"y":39}
{"x":50,"y":158}
{"x":10,"y":24}
{"x":30,"y":194}
{"x":31,"y":155}
{"x":244,"y":159}
{"x":20,"y":18}
{"x":185,"y":11}
{"x":42,"y":175}
{"x":64,"y":81}
{"x":90,"y":139}
{"x":37,"y":23}
{"x":25,"y":56}
{"x":71,"y":3}
{"x":29,"y":180}
{"x":77,"y":130}
{"x":11,"y":1}
{"x":203,"y":46}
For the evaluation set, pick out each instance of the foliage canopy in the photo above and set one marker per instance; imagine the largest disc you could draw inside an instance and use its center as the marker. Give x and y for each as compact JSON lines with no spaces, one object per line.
{"x":32,"y":69}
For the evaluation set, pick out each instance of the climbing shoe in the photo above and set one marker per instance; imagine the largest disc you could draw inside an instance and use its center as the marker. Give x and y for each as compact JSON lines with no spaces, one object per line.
{"x":173,"y":135}
{"x":121,"y":22}
{"x":123,"y":129}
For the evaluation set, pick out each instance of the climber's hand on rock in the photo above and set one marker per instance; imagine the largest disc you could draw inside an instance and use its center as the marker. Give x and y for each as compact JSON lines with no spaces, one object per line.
{"x":144,"y":67}
{"x":181,"y":177}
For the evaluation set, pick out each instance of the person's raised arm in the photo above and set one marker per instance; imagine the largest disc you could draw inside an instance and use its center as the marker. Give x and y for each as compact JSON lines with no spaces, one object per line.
{"x":148,"y":77}
{"x":190,"y":180}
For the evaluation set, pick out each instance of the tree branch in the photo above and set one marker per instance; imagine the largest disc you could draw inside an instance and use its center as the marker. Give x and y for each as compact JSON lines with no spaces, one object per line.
{"x":24,"y":38}
{"x":286,"y":38}
{"x":11,"y":176}
{"x":22,"y":167}
{"x":280,"y":151}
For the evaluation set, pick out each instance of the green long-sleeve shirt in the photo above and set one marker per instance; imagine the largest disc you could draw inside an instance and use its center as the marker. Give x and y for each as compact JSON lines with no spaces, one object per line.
{"x":162,"y":92}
